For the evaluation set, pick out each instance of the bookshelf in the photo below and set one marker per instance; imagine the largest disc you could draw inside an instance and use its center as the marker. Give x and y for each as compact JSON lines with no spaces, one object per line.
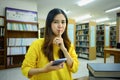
{"x":21,"y":31}
{"x":86,"y":40}
{"x":2,"y":42}
{"x":113,"y":36}
{"x":103,"y":39}
{"x":100,"y":40}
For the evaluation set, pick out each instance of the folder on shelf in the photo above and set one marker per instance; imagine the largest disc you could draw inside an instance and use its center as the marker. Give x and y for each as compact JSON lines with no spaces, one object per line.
{"x":104,"y":70}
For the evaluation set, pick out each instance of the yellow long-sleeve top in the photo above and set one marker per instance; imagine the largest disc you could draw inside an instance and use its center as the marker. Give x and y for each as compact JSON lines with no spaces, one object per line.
{"x":35,"y":58}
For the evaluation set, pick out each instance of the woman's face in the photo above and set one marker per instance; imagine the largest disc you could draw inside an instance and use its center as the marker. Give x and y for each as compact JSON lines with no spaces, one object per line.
{"x":58,"y":24}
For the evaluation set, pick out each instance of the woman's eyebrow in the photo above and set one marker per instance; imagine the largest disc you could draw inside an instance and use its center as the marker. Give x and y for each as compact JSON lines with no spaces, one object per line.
{"x":58,"y":20}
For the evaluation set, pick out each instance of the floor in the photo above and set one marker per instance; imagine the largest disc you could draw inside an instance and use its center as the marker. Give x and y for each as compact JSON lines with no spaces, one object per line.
{"x":15,"y":73}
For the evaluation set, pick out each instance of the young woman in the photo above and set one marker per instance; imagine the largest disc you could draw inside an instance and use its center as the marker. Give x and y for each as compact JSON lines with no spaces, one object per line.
{"x":40,"y":56}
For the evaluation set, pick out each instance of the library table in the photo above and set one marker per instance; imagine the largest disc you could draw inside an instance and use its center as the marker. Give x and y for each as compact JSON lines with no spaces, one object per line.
{"x":115,"y":52}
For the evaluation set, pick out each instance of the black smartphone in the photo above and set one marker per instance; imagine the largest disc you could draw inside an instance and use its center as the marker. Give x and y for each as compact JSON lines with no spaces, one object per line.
{"x":57,"y":62}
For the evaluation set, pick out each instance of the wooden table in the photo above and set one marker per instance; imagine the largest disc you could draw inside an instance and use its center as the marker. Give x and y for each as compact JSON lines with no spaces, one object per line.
{"x":115,"y":52}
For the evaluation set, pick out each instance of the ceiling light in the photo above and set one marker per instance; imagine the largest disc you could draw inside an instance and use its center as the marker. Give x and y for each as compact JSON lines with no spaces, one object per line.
{"x":86,"y":21}
{"x":111,"y":10}
{"x":84,"y":2}
{"x":112,"y":23}
{"x":83,"y":17}
{"x":102,"y":19}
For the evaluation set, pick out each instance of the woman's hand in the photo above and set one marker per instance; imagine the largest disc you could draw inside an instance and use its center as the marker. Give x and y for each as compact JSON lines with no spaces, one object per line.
{"x":58,"y":40}
{"x":49,"y":67}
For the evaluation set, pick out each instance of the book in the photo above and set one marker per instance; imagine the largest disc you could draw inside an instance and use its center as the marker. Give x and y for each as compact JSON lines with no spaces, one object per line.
{"x":104,"y":70}
{"x":103,"y":78}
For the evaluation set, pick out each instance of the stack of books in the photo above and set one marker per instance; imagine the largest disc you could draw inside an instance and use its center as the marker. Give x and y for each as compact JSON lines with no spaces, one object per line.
{"x":102,"y":71}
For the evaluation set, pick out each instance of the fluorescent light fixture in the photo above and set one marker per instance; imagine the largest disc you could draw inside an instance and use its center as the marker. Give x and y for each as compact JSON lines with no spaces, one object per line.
{"x":86,"y":21}
{"x":102,"y":19}
{"x":113,"y":23}
{"x":87,"y":16}
{"x":111,"y":10}
{"x":84,"y":2}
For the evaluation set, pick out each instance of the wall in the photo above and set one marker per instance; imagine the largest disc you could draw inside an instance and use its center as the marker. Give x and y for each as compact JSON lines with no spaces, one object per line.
{"x":19,"y":4}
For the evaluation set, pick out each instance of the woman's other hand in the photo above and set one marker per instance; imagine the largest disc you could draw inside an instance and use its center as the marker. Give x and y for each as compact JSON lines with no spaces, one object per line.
{"x":49,"y":67}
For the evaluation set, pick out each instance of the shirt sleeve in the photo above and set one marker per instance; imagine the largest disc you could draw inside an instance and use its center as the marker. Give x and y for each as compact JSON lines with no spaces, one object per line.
{"x":30,"y":59}
{"x":73,"y":54}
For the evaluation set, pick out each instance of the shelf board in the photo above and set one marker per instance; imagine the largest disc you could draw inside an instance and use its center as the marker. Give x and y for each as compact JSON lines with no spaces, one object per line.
{"x":13,"y":66}
{"x":2,"y":67}
{"x":16,"y":55}
{"x":14,"y":21}
{"x":23,"y":34}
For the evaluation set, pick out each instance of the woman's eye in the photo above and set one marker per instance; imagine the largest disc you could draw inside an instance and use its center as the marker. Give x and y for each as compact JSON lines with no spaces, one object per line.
{"x":63,"y":22}
{"x":55,"y":21}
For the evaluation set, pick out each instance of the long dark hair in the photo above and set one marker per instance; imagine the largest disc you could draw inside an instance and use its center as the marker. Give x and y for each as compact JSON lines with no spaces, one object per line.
{"x":49,"y":35}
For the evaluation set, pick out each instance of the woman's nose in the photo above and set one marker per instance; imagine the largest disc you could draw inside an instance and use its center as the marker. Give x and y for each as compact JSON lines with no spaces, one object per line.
{"x":60,"y":24}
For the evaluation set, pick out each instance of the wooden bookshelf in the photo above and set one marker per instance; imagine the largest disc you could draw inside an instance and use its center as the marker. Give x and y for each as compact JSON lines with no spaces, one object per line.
{"x":102,"y":39}
{"x":2,"y":42}
{"x":113,"y":36}
{"x":86,"y":40}
{"x":20,"y":33}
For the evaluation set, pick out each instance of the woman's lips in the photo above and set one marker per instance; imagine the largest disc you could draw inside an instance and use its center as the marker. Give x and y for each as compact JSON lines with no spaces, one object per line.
{"x":59,"y":30}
